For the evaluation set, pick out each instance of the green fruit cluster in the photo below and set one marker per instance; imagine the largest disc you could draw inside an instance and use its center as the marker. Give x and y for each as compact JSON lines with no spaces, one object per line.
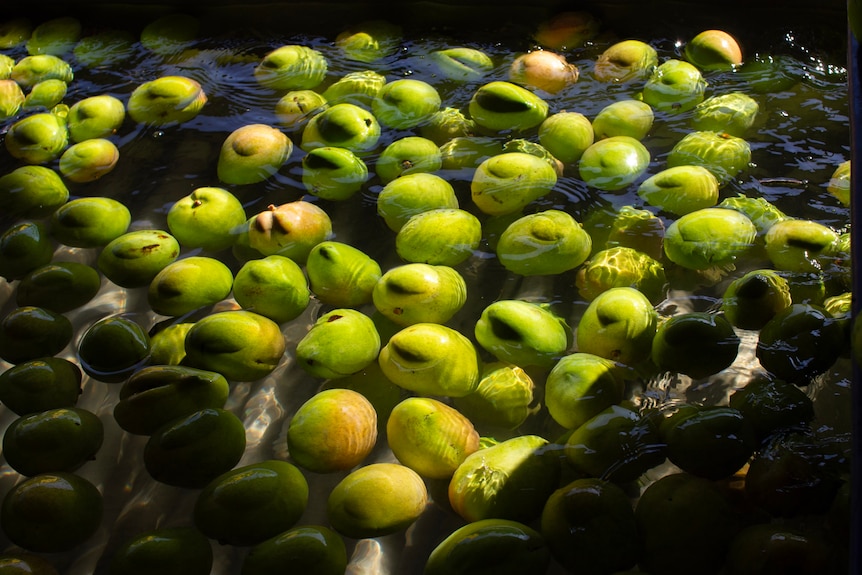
{"x":366,"y":296}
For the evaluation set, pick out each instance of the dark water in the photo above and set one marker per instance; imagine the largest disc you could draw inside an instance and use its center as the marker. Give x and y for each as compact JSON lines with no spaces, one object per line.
{"x":800,"y":136}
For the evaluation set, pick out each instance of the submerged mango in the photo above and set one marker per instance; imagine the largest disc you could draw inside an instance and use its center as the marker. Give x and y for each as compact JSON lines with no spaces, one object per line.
{"x":430,"y":437}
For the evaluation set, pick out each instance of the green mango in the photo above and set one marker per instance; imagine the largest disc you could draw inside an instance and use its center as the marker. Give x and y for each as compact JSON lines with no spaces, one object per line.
{"x":295,"y":108}
{"x":343,"y":125}
{"x":90,"y":222}
{"x":274,"y":287}
{"x":31,"y":332}
{"x":408,"y":155}
{"x":771,"y":405}
{"x":169,"y":34}
{"x":419,"y":293}
{"x":55,"y":36}
{"x":339,"y":343}
{"x":59,"y":286}
{"x":168,"y":550}
{"x":239,"y":344}
{"x":800,"y":342}
{"x":157,"y":394}
{"x":167,"y":100}
{"x":621,"y":266}
{"x":309,"y":548}
{"x":753,"y":299}
{"x":45,"y":94}
{"x":503,"y":106}
{"x":709,"y":237}
{"x":333,"y":173}
{"x":405,"y":103}
{"x":192,"y":450}
{"x":489,"y":547}
{"x":252,"y":153}
{"x":616,"y":445}
{"x":620,"y":325}
{"x":503,"y":398}
{"x":14,"y":563}
{"x":11,"y":99}
{"x":712,"y":442}
{"x":430,"y":437}
{"x":462,"y":64}
{"x":431,"y":359}
{"x":206,"y":218}
{"x":95,"y":117}
{"x":37,"y":139}
{"x":359,"y":88}
{"x":133,"y":259}
{"x":335,"y":430}
{"x":549,"y":242}
{"x":589,"y":525}
{"x":523,"y":333}
{"x":411,"y":194}
{"x":376,"y":500}
{"x":697,"y":344}
{"x":89,"y":160}
{"x":30,"y":70}
{"x":341,"y":275}
{"x":252,"y":503}
{"x":112,"y":347}
{"x":509,"y":480}
{"x":681,"y":189}
{"x":167,"y":346}
{"x":51,"y":512}
{"x":15,"y":31}
{"x":580,"y":386}
{"x":720,"y":153}
{"x":291,"y":67}
{"x":32,"y":191}
{"x":24,"y":247}
{"x":188,"y":284}
{"x":733,"y":113}
{"x":507,"y":182}
{"x":40,"y":384}
{"x":104,"y":48}
{"x":60,"y":439}
{"x":369,"y":40}
{"x":442,"y":236}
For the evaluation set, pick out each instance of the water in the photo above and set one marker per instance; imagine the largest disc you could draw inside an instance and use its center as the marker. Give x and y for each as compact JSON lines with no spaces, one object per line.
{"x":800,"y":136}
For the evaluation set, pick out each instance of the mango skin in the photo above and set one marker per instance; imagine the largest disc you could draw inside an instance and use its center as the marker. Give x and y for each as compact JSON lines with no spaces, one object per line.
{"x":333,"y":431}
{"x":193,"y":450}
{"x":31,"y":332}
{"x":40,"y":384}
{"x":509,"y":480}
{"x":157,"y":394}
{"x":307,"y":549}
{"x":59,"y":286}
{"x":32,"y":192}
{"x":250,"y":504}
{"x":169,"y":551}
{"x":187,"y":284}
{"x":135,"y":258}
{"x":431,"y":359}
{"x":61,"y":439}
{"x":90,"y":222}
{"x":51,"y":512}
{"x":241,"y":345}
{"x":490,"y":547}
{"x":340,"y":343}
{"x":430,"y":437}
{"x":273,"y":286}
{"x":24,"y":247}
{"x":376,"y":500}
{"x":340,"y":275}
{"x":112,"y":347}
